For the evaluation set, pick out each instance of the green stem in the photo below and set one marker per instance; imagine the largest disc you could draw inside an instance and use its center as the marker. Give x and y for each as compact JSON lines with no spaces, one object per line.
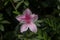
{"x":12,"y":4}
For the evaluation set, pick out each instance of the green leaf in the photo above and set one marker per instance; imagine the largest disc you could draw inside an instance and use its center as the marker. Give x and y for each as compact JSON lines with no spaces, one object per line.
{"x":20,"y":36}
{"x":48,"y":21}
{"x":40,"y":34}
{"x":6,"y":3}
{"x":45,"y":36}
{"x":59,"y":14}
{"x":39,"y":21}
{"x":1,"y":15}
{"x":18,"y":4}
{"x":16,"y":12}
{"x":26,"y":3}
{"x":1,"y":19}
{"x":38,"y":24}
{"x":3,"y":22}
{"x":1,"y":27}
{"x":16,"y":1}
{"x":58,"y":7}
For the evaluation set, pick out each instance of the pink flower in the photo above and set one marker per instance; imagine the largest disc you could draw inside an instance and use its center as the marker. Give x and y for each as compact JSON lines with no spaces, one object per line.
{"x":28,"y":20}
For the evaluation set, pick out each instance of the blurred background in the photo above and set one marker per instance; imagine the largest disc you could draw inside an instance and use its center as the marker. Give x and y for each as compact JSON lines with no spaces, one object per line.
{"x":48,"y":23}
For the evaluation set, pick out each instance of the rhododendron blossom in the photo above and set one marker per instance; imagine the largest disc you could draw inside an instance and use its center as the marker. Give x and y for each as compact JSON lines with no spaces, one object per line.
{"x":28,"y":19}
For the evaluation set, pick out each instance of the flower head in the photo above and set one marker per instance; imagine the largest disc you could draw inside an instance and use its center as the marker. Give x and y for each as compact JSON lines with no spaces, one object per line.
{"x":28,"y":20}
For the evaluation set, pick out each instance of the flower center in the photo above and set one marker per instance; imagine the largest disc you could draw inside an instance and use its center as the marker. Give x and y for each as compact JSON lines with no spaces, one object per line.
{"x":27,"y":18}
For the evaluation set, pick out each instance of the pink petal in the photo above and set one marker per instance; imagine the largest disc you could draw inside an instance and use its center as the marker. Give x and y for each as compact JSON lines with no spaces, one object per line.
{"x":34,"y":17}
{"x":32,"y":27}
{"x":24,"y":27}
{"x":20,"y":18}
{"x":27,"y":12}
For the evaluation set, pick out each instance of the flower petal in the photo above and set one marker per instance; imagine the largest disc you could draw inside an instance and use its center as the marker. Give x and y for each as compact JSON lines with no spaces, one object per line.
{"x":34,"y":17}
{"x":24,"y":27}
{"x":32,"y":27}
{"x":27,"y":12}
{"x":20,"y":18}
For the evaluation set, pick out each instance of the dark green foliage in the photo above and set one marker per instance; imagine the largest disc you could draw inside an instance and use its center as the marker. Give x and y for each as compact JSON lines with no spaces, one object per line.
{"x":48,"y":23}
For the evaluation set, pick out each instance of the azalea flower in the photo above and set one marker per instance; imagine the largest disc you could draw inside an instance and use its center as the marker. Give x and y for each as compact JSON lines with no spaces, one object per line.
{"x":28,"y":19}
